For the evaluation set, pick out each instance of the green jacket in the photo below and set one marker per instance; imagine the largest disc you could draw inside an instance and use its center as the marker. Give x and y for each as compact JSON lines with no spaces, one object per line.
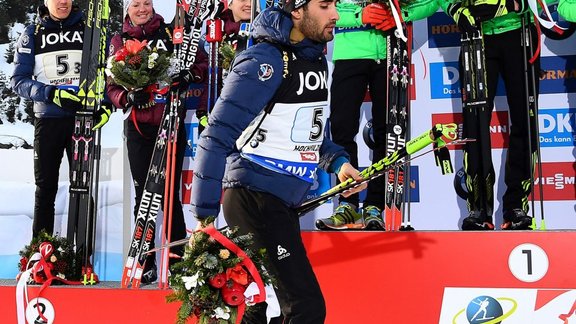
{"x":567,"y":8}
{"x":498,"y":25}
{"x":353,"y":40}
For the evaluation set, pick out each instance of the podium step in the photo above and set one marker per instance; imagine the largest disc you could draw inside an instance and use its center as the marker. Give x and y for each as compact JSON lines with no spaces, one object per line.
{"x":381,"y":277}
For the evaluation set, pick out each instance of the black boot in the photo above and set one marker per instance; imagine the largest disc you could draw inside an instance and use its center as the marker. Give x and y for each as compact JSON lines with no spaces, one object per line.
{"x":150,"y":270}
{"x":516,"y":220}
{"x":476,"y":221}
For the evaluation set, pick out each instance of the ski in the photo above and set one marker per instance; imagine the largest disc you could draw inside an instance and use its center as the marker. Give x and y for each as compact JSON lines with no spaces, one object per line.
{"x":83,"y":203}
{"x":440,"y":134}
{"x":188,"y":21}
{"x":398,"y":62}
{"x":214,"y":37}
{"x":476,"y":118}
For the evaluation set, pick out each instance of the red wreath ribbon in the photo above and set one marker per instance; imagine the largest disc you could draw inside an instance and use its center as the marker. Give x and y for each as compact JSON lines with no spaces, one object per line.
{"x":46,"y":249}
{"x":246,"y":262}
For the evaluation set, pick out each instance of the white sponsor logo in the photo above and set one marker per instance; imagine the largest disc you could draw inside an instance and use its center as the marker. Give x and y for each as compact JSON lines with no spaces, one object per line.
{"x":312,"y":81}
{"x":64,"y":38}
{"x":282,"y":252}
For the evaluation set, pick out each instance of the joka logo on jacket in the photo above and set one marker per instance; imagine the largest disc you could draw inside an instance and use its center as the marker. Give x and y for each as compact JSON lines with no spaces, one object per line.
{"x":311,"y":81}
{"x":61,"y":38}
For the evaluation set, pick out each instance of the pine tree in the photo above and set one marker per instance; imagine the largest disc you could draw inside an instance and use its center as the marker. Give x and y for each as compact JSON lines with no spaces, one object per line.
{"x":9,"y":55}
{"x":13,"y":11}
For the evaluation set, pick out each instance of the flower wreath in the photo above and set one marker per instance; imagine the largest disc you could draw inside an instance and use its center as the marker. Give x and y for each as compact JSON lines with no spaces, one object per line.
{"x":215,"y":276}
{"x":47,"y":259}
{"x":50,"y":256}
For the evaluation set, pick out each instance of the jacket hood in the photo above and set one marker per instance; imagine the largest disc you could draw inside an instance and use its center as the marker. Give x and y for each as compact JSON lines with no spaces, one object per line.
{"x":274,"y":25}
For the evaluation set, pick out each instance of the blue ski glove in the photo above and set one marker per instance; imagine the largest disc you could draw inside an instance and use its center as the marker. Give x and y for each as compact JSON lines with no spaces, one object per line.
{"x":65,"y":99}
{"x":463,"y":18}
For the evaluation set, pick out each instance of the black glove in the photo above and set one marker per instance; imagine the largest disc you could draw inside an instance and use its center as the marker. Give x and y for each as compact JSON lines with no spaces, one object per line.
{"x":65,"y":99}
{"x":187,"y":77}
{"x":463,"y":18}
{"x":483,"y":10}
{"x":102,"y":115}
{"x":139,"y":99}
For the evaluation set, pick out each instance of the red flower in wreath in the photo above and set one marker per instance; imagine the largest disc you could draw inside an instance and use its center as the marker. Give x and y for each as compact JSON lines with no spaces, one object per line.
{"x":237,"y":274}
{"x":218,"y":281}
{"x":233,"y":294}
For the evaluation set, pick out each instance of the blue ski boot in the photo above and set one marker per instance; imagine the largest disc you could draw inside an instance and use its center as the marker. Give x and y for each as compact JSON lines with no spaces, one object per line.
{"x":345,"y":217}
{"x":372,"y":218}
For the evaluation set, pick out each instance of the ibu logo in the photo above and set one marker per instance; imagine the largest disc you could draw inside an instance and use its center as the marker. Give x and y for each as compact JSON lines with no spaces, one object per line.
{"x":487,"y":309}
{"x":444,"y":80}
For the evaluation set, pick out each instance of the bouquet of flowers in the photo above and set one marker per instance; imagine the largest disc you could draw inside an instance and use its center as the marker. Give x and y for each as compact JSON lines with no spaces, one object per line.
{"x":135,"y":66}
{"x":54,"y":253}
{"x":228,"y":52}
{"x":214,"y":274}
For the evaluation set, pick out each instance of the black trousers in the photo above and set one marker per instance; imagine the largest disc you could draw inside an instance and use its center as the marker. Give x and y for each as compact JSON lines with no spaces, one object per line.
{"x":140,"y":150}
{"x":52,"y":137}
{"x":504,"y":57}
{"x":350,"y":80}
{"x":276,"y":228}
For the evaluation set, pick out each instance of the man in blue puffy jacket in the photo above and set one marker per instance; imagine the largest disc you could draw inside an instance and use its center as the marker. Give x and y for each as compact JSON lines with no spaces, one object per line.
{"x":264,"y":141}
{"x":47,"y":63}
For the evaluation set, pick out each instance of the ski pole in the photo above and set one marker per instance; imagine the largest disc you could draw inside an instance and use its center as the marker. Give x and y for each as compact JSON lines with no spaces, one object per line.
{"x":377,"y":169}
{"x":214,"y":35}
{"x":167,"y":197}
{"x":531,"y":101}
